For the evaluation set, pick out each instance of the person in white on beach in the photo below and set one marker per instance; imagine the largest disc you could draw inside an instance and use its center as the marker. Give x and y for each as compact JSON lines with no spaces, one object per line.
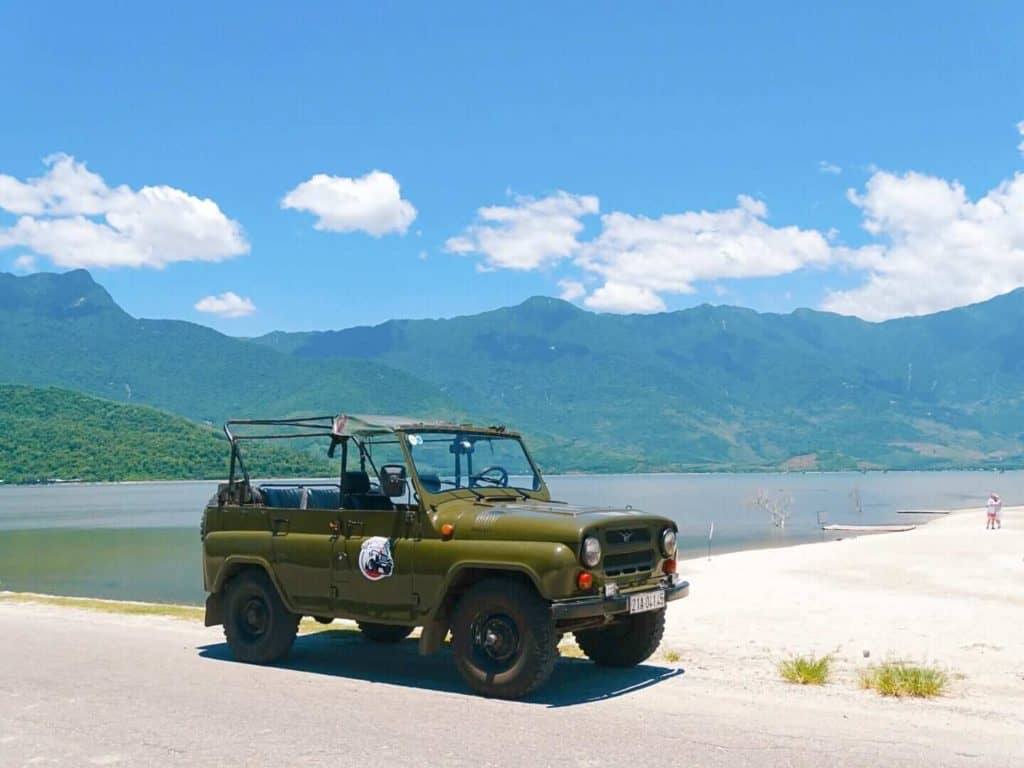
{"x":993,"y":508}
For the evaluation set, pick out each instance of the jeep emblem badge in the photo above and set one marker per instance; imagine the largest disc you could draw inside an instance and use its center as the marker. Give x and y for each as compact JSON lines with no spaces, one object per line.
{"x":375,"y":561}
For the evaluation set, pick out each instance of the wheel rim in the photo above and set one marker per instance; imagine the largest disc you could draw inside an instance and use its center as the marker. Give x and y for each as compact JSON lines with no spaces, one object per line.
{"x":254,"y":618}
{"x":495,"y":642}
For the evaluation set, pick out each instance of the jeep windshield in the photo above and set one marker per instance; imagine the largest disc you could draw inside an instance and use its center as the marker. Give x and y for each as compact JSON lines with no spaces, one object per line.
{"x":447,"y":461}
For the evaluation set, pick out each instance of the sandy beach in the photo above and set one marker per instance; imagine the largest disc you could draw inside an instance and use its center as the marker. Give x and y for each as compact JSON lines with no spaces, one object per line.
{"x":949,"y":593}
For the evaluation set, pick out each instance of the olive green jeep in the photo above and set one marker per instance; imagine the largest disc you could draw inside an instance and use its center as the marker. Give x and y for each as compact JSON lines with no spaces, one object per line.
{"x":439,"y":526}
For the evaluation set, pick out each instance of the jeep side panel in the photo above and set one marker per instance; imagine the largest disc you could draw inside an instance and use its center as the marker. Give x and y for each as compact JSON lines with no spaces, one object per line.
{"x":240,"y":533}
{"x":374,"y":578}
{"x":550,"y":567}
{"x":303,"y":548}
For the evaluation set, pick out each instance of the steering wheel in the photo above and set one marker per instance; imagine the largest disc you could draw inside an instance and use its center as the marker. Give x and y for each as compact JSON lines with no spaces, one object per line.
{"x":483,"y":476}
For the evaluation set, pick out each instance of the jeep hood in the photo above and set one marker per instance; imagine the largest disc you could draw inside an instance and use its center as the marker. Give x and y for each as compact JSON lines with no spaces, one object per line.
{"x":539,"y":520}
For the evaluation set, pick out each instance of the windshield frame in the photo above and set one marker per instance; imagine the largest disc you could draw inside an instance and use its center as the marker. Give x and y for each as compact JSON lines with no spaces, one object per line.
{"x":482,"y":491}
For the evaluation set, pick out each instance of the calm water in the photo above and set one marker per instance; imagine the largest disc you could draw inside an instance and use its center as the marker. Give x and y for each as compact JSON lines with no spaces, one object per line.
{"x":141,"y":541}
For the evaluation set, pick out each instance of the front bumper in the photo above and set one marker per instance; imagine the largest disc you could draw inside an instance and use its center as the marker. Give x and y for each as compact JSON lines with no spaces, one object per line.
{"x":599,"y":605}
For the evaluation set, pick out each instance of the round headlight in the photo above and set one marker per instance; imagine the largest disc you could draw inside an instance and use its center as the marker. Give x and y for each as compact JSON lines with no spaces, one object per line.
{"x":668,"y":542}
{"x":590,"y":552}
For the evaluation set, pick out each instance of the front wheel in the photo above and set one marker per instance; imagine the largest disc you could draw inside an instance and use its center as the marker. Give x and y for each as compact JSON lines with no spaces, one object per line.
{"x":625,"y":643}
{"x":503,"y":638}
{"x":258,"y":626}
{"x":384,"y":633}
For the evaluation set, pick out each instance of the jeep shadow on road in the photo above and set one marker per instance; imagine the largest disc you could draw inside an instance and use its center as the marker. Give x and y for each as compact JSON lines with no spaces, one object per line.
{"x":345,"y":653}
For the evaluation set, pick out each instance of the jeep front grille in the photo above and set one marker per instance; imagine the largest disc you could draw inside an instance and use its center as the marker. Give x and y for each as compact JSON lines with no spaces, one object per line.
{"x":628,"y":563}
{"x":617,"y":536}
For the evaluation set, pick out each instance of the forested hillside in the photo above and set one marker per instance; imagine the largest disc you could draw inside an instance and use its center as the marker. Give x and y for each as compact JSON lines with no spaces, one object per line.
{"x":65,"y":330}
{"x":708,"y":388}
{"x":47,"y":434}
{"x":714,"y":387}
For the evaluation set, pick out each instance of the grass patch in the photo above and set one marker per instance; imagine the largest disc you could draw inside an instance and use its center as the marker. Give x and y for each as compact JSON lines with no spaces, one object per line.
{"x":128,"y":608}
{"x":190,"y":612}
{"x":895,"y":678}
{"x":671,"y":656}
{"x":806,"y":670}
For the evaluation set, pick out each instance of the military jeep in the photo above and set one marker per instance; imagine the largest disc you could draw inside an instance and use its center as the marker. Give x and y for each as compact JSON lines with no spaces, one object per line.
{"x":445,"y":527}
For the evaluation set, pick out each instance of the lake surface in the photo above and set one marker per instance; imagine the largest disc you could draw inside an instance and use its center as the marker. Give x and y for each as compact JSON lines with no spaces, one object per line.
{"x":140,"y":541}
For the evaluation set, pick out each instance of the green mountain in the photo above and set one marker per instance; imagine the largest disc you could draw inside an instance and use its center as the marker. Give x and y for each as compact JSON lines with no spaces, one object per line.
{"x":704,"y":388}
{"x":722,"y":387}
{"x":64,"y":330}
{"x":52,"y":433}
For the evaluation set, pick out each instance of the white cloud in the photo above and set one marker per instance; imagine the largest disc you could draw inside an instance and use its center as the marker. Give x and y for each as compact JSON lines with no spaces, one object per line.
{"x":571,"y":290}
{"x":622,"y":297}
{"x":227,"y":304}
{"x":824,"y":166}
{"x":372,"y":203}
{"x":25,"y":263}
{"x":1020,"y":130}
{"x":672,"y":253}
{"x":529,"y":234}
{"x":70,"y":216}
{"x":639,"y":258}
{"x":931,"y":246}
{"x":939,"y":248}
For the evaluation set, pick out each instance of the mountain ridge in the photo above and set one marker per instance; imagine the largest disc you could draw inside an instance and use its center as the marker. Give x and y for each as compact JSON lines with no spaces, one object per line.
{"x":709,"y":387}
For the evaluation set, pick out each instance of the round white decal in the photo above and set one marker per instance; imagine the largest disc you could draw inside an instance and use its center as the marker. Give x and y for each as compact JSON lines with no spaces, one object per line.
{"x":375,"y":558}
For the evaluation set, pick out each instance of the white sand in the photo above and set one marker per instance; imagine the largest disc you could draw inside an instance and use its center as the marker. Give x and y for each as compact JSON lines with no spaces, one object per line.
{"x":949,"y":593}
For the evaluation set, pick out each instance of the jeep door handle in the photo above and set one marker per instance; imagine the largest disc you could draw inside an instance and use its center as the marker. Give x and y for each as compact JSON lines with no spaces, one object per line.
{"x":350,"y":525}
{"x":279,"y":526}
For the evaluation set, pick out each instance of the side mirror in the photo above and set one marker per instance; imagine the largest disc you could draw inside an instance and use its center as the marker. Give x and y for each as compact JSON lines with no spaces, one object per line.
{"x":392,"y":480}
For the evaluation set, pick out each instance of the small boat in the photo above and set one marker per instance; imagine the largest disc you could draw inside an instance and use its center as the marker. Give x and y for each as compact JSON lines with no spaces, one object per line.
{"x":868,"y":528}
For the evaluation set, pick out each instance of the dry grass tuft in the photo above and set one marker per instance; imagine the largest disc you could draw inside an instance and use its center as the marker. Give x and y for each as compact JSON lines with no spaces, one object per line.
{"x":806,"y":670}
{"x":896,"y":678}
{"x":569,"y":650}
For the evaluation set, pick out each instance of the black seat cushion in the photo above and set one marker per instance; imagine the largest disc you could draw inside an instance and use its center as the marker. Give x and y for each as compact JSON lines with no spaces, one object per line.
{"x":282,"y":498}
{"x":366,"y":501}
{"x":357,"y":482}
{"x":324,"y":498}
{"x":358,"y":494}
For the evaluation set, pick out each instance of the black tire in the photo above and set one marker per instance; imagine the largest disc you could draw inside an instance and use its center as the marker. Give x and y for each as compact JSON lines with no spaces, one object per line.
{"x":384,"y":633}
{"x":626,"y":643}
{"x":323,"y":619}
{"x":258,"y":626}
{"x":504,"y":639}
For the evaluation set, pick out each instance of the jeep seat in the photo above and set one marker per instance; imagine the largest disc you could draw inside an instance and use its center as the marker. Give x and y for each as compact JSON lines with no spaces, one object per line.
{"x":282,"y":498}
{"x":324,"y":498}
{"x":358,"y":494}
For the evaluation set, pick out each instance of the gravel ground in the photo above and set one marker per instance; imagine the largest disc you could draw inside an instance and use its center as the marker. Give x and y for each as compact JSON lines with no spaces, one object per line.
{"x":80,"y":688}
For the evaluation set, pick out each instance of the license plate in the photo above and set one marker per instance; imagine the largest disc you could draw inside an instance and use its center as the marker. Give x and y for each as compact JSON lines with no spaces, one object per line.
{"x":647,"y":601}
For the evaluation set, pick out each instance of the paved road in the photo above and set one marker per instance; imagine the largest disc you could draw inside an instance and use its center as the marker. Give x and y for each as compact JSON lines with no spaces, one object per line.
{"x":79,"y":689}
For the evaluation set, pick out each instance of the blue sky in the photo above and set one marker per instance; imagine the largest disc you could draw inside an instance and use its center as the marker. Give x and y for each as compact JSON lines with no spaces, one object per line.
{"x":600,"y":131}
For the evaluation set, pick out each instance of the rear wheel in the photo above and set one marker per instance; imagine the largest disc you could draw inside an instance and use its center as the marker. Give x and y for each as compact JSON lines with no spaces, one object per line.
{"x":503,"y":639}
{"x":625,"y":643}
{"x":258,"y":626}
{"x":384,"y":633}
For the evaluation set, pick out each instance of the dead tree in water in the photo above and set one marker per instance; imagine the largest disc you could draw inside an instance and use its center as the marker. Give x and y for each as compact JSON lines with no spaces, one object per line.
{"x":777,"y":507}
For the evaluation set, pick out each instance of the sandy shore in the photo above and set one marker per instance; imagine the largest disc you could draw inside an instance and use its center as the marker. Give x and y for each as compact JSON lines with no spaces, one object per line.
{"x":949,"y":593}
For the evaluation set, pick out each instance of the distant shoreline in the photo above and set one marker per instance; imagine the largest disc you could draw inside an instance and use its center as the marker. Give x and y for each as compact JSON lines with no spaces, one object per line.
{"x":709,"y":473}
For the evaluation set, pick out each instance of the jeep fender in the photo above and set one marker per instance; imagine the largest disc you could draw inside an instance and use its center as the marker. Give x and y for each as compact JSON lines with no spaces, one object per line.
{"x":232,"y":565}
{"x":472,"y":571}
